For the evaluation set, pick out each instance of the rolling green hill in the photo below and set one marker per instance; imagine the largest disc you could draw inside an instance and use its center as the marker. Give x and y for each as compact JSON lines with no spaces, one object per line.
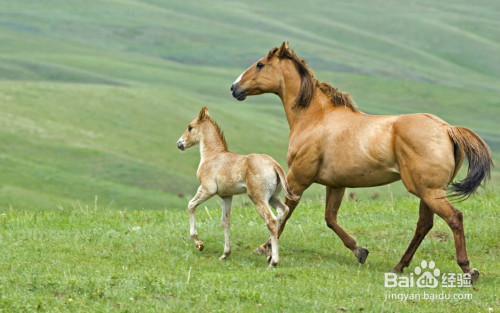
{"x":94,"y":95}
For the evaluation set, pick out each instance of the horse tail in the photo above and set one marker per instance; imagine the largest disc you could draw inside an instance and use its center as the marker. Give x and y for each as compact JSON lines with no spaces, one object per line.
{"x":281,"y":174}
{"x":468,"y":143}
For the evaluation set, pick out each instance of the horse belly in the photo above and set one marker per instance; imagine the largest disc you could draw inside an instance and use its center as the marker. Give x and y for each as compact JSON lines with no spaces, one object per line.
{"x":359,"y":177}
{"x":362,"y":166}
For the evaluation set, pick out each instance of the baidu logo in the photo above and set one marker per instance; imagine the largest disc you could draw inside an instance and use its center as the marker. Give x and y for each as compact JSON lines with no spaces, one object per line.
{"x":427,"y":275}
{"x":428,"y":278}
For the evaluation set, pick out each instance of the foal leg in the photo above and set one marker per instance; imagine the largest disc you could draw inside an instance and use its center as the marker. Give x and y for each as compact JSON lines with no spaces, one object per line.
{"x":439,"y":204}
{"x":425,"y":222}
{"x":200,"y":197}
{"x":333,"y":200}
{"x":290,"y":205}
{"x":281,"y":208}
{"x":298,"y":187}
{"x":226,"y":224}
{"x":271,"y":222}
{"x":282,"y":211}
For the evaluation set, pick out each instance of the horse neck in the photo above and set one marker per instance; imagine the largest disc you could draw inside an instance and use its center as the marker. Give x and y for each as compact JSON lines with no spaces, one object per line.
{"x":320,"y":103}
{"x":295,"y":115}
{"x":288,"y":93}
{"x":211,"y":143}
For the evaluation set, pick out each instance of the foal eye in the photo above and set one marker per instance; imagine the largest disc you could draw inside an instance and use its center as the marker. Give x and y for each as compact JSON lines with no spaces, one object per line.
{"x":260,"y":65}
{"x":190,"y":128}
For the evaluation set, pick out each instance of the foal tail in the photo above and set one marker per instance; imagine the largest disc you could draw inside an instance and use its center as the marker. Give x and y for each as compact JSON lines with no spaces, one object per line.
{"x":281,"y":174}
{"x":468,"y":143}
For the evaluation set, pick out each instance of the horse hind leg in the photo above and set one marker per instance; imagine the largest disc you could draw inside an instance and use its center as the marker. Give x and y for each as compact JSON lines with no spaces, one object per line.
{"x":333,"y":201}
{"x":424,"y":224}
{"x":439,"y":204}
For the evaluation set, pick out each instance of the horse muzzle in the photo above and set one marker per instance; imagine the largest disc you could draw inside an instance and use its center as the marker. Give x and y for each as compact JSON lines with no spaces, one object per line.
{"x":238,"y":92}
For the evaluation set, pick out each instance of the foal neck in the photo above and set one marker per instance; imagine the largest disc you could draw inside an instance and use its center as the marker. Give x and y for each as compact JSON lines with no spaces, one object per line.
{"x":212,"y":140}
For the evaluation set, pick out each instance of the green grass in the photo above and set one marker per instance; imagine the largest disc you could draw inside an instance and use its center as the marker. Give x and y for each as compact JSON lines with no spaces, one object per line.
{"x":95,"y":259}
{"x":93,"y":189}
{"x":94,"y":97}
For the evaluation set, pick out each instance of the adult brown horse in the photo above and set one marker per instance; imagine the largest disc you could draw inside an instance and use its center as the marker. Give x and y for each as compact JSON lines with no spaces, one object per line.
{"x":334,"y":144}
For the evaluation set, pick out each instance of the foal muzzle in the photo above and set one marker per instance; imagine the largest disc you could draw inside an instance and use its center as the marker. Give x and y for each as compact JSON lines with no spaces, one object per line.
{"x":180,"y":145}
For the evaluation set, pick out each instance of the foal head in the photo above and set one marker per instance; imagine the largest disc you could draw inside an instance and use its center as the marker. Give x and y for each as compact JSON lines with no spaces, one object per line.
{"x":266,"y":76}
{"x":201,"y":126}
{"x":193,"y":133}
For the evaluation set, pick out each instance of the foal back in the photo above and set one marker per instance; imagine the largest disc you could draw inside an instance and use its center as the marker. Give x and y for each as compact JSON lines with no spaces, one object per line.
{"x":230,"y":174}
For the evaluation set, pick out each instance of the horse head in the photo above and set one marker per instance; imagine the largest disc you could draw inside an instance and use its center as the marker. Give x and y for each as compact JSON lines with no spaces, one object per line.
{"x":264,"y":76}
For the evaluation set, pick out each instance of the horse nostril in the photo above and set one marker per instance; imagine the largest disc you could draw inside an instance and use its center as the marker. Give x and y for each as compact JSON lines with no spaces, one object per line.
{"x":232,"y":87}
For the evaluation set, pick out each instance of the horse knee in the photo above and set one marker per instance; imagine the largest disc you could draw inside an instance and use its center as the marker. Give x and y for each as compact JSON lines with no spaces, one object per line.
{"x":455,"y":221}
{"x":331,"y":220}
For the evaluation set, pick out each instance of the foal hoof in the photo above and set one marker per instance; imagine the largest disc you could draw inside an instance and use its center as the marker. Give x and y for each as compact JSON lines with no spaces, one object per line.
{"x":361,"y":253}
{"x":262,"y":249}
{"x":474,"y":275}
{"x":259,"y":251}
{"x":200,"y":246}
{"x":223,"y":257}
{"x":272,"y":266}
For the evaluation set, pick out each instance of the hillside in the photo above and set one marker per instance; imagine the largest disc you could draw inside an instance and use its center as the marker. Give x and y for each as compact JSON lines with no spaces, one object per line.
{"x":94,"y":96}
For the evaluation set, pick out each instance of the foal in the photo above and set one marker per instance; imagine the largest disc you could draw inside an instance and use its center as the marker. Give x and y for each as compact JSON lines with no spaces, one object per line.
{"x":225,"y":174}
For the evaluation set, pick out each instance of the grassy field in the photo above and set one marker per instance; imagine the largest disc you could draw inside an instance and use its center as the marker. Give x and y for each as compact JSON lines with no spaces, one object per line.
{"x":95,"y":259}
{"x":93,"y":191}
{"x":94,"y":97}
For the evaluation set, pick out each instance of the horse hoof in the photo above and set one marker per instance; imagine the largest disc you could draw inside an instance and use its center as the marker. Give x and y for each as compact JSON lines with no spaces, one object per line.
{"x":474,"y":275}
{"x":200,"y":246}
{"x":361,"y":253}
{"x":223,"y":257}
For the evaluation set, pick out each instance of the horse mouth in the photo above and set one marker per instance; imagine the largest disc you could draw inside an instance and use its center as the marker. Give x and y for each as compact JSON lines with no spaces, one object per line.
{"x":238,"y":93}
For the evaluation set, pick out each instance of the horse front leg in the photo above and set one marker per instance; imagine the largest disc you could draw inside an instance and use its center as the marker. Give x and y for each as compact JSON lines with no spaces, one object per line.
{"x":226,"y":224}
{"x":200,"y":197}
{"x":333,"y":201}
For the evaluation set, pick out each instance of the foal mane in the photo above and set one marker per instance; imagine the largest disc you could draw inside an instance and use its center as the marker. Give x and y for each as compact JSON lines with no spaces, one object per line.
{"x":219,"y":131}
{"x":308,"y":82}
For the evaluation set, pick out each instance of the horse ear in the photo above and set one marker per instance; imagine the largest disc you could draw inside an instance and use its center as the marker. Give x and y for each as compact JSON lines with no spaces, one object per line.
{"x":283,"y":49}
{"x":203,"y":114}
{"x":272,"y":52}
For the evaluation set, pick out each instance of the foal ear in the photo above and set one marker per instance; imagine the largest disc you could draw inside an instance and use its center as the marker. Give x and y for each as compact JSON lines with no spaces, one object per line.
{"x":203,"y":114}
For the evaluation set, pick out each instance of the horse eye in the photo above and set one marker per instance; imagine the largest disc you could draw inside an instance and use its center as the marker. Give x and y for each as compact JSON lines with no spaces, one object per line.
{"x":260,"y":65}
{"x":190,"y":128}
